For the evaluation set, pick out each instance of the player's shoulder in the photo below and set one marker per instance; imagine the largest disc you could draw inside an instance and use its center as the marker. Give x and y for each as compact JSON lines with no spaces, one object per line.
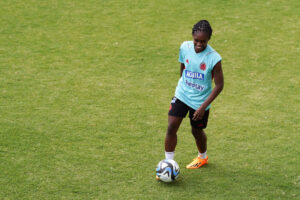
{"x":186,"y":45}
{"x":211,"y":52}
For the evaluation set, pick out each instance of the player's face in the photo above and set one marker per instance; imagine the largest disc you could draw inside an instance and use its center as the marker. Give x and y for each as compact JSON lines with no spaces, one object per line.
{"x":200,"y":41}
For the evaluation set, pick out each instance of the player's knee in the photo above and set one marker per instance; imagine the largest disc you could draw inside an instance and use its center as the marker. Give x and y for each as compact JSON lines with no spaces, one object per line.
{"x":172,"y":129}
{"x":197,"y":131}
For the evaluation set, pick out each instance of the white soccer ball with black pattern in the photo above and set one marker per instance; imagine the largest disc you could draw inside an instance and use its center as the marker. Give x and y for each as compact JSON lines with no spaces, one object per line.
{"x":167,"y":170}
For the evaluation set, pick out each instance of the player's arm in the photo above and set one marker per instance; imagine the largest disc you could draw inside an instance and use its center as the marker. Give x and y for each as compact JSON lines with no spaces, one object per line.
{"x":219,"y":84}
{"x":181,"y":68}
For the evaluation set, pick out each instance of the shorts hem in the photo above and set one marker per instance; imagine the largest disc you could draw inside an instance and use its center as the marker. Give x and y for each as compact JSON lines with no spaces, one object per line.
{"x":174,"y":115}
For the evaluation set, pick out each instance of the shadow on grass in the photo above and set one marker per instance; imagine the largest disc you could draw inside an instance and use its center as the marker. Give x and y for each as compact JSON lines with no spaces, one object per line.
{"x":188,"y":177}
{"x":224,"y":180}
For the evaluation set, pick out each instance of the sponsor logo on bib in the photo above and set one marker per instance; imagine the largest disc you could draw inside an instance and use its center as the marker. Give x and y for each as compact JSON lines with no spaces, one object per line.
{"x":194,"y":75}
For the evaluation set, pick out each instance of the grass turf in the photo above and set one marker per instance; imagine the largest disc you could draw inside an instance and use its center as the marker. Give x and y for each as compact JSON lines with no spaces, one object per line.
{"x":85,"y":87}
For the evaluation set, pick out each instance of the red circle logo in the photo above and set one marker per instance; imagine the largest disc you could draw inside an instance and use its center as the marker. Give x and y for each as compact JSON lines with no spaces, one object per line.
{"x":203,"y":66}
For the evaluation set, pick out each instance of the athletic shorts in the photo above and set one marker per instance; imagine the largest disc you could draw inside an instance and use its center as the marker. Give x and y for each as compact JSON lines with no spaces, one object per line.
{"x":180,"y":109}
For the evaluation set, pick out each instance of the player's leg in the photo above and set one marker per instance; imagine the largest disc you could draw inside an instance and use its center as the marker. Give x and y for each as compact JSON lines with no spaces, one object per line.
{"x":200,"y":139}
{"x":171,"y":135}
{"x":177,"y":112}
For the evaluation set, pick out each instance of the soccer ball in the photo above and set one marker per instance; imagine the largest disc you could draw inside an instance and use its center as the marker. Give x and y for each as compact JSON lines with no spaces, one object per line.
{"x":167,"y":170}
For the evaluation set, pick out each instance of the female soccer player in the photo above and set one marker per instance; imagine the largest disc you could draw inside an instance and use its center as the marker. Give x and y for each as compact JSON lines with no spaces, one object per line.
{"x":199,"y":65}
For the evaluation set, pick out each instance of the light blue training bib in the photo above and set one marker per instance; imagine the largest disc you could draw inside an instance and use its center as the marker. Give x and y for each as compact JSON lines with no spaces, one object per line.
{"x":195,"y":84}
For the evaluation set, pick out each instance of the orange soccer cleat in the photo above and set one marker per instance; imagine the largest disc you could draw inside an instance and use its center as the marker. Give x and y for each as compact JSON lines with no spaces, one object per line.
{"x":197,"y":162}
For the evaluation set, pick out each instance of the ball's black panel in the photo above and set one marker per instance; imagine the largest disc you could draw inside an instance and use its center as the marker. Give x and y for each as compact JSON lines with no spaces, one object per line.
{"x":167,"y":169}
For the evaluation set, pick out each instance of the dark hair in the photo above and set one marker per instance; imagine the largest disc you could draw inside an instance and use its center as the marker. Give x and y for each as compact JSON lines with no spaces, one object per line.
{"x":202,"y":26}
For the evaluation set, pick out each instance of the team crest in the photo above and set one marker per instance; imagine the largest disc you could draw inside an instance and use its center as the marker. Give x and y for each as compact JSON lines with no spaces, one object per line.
{"x":187,"y":61}
{"x":203,"y":66}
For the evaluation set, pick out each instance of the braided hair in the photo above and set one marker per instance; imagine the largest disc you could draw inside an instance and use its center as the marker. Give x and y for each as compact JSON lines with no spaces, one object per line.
{"x":202,"y":26}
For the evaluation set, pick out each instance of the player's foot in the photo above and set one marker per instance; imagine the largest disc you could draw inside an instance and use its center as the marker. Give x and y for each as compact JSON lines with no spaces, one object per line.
{"x":197,"y":162}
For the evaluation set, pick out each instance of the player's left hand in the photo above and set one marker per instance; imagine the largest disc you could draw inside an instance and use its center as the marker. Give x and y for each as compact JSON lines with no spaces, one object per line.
{"x":199,"y":113}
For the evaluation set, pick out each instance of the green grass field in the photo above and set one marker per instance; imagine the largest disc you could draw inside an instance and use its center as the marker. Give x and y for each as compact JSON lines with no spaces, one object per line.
{"x":85,"y":88}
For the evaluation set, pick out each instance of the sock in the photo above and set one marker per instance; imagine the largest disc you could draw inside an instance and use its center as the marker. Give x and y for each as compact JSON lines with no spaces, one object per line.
{"x":202,"y":155}
{"x":170,"y":155}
